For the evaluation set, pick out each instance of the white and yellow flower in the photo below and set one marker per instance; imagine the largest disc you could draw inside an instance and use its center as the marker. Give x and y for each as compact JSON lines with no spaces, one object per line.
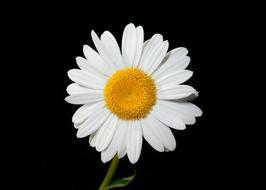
{"x":130,"y":94}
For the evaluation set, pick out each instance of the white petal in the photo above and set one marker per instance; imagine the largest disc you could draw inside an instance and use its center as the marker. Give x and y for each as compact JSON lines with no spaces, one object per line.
{"x":129,"y":44}
{"x":157,"y":57}
{"x":139,"y":45}
{"x":84,"y":111}
{"x":107,"y":155}
{"x":191,"y":97}
{"x":85,"y":65}
{"x":151,"y":134}
{"x":75,"y":88}
{"x":187,"y":115}
{"x":86,"y":79}
{"x":93,"y":138}
{"x":163,"y":132}
{"x":175,"y":91}
{"x":167,"y":138}
{"x":185,"y":107}
{"x":179,"y":52}
{"x":113,"y":49}
{"x":134,"y":141}
{"x":102,"y":51}
{"x":95,"y":61}
{"x":93,"y":122}
{"x":122,"y":149}
{"x":145,"y":44}
{"x":172,"y":68}
{"x":149,"y":50}
{"x":176,"y":59}
{"x":106,"y":133}
{"x":174,"y":78}
{"x":82,"y":63}
{"x":80,"y":111}
{"x":176,"y":54}
{"x":111,"y":150}
{"x":82,"y":95}
{"x":167,"y":116}
{"x":79,"y":99}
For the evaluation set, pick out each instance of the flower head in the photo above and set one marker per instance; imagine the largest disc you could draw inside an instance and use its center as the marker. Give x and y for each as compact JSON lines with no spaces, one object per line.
{"x":130,"y":94}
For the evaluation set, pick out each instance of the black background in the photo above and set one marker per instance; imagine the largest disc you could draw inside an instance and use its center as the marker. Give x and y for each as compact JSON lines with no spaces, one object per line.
{"x":44,"y":40}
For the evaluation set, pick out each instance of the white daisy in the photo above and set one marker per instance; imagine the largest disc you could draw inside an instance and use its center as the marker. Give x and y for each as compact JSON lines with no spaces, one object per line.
{"x":130,"y":94}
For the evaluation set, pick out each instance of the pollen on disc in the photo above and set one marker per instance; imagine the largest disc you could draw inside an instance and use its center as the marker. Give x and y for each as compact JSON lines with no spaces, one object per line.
{"x":130,"y":93}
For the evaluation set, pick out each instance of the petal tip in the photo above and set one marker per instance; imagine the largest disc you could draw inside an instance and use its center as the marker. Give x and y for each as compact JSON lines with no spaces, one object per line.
{"x":66,"y":99}
{"x":93,"y":35}
{"x":131,"y":25}
{"x":200,"y":113}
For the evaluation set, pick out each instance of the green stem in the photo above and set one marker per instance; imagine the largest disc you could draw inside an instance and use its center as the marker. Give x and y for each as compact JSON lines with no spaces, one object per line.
{"x":111,"y":171}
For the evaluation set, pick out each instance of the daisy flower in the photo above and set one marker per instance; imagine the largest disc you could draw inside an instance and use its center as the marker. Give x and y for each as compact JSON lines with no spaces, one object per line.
{"x":131,"y":93}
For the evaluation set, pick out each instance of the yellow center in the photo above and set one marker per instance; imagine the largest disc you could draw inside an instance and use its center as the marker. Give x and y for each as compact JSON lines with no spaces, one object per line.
{"x":130,"y":93}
